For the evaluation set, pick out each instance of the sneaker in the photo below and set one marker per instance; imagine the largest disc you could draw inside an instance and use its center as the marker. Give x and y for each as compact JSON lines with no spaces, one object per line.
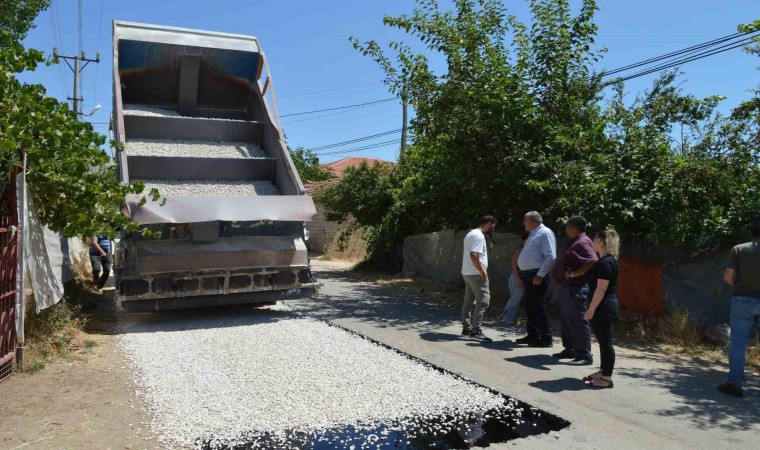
{"x":466,"y":331}
{"x":480,"y":337}
{"x":581,"y":362}
{"x":526,"y":340}
{"x":564,"y":354}
{"x":542,"y":343}
{"x":731,"y":390}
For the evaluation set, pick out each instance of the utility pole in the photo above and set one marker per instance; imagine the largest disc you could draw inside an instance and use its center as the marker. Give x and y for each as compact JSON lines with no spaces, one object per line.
{"x":77,"y":68}
{"x":403,"y":127}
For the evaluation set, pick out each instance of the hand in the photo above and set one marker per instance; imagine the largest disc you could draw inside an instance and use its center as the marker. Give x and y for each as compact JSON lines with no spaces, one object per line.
{"x":569,"y":274}
{"x":102,"y":253}
{"x":589,"y":314}
{"x":519,"y":284}
{"x":483,"y":277}
{"x":537,"y":281}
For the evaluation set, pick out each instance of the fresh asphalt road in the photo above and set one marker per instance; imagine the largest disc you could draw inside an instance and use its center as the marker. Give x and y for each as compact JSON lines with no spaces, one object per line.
{"x":658,"y":401}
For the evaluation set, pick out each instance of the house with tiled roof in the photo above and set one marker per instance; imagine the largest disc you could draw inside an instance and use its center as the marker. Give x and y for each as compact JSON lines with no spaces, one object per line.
{"x":323,"y":235}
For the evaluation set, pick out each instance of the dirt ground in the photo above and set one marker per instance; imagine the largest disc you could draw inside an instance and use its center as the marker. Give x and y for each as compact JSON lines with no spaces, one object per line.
{"x":85,"y":401}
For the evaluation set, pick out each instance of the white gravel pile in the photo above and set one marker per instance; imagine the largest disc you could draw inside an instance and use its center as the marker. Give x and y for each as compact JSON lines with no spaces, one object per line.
{"x":130,"y":109}
{"x":211,"y":188}
{"x":194,"y":149}
{"x":148,"y":111}
{"x":226,"y":380}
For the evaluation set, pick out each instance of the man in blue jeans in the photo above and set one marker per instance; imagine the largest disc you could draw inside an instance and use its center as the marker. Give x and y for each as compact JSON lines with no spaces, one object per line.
{"x":742,"y":271}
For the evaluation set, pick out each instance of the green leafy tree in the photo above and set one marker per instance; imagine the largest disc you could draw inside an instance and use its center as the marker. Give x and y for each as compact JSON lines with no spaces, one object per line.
{"x":70,"y":178}
{"x":364,"y":195}
{"x":307,"y":164}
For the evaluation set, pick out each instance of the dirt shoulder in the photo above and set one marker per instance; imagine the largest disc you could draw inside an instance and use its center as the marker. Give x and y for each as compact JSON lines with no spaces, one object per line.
{"x":82,"y":401}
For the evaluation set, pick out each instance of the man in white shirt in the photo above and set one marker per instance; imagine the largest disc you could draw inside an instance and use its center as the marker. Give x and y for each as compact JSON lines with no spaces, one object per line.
{"x":535,"y":263}
{"x":477,"y":296}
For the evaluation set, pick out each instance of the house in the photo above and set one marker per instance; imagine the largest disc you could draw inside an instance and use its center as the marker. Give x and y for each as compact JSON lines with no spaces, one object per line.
{"x":323,"y":235}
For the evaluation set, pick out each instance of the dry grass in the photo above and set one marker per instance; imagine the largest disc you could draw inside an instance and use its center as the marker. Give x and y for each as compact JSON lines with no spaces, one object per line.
{"x":56,"y":332}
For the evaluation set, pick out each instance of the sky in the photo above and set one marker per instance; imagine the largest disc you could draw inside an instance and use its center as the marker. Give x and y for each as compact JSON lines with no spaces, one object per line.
{"x":314,"y":66}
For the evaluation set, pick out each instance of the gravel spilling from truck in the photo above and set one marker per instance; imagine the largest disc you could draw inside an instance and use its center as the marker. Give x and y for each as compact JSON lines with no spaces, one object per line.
{"x":276,"y":380}
{"x":211,"y":188}
{"x":157,"y":111}
{"x":192,"y":149}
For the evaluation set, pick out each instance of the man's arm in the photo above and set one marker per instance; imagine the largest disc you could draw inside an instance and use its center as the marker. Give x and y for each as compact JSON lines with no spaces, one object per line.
{"x":515,"y":269}
{"x":549,"y":252}
{"x":729,"y":276}
{"x":94,"y":242}
{"x":476,"y":262}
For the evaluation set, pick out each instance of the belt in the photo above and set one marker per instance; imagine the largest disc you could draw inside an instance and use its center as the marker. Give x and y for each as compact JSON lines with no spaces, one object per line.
{"x":528,"y":271}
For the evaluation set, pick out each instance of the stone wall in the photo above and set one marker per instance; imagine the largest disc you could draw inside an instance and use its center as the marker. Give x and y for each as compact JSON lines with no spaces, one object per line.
{"x":323,"y":238}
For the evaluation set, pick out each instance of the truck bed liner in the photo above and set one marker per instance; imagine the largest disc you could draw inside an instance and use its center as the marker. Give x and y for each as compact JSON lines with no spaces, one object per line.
{"x":193,"y":149}
{"x":211,"y":188}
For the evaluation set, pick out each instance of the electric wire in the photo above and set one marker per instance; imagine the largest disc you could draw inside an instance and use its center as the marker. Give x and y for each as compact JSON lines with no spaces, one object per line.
{"x":339,"y":108}
{"x":354,"y":141}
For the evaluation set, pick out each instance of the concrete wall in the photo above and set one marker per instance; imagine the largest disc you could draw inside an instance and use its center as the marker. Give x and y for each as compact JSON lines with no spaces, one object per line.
{"x":646,"y":282}
{"x":438,"y":256}
{"x":324,"y":235}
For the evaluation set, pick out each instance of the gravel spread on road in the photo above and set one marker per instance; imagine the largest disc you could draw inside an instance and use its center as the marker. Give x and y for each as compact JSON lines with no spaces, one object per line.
{"x":211,"y":188}
{"x":193,"y":149}
{"x":225,"y":379}
{"x":156,"y":111}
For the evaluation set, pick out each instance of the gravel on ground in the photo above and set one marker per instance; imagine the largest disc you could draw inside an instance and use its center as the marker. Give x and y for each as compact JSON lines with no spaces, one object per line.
{"x":193,"y":149}
{"x":223,"y":379}
{"x":211,"y":188}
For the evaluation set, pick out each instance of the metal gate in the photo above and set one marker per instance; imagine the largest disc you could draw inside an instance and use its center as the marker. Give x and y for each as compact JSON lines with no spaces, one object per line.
{"x":8,"y":251}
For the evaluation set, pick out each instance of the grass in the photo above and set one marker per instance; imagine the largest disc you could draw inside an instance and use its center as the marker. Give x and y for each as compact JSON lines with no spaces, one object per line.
{"x":675,"y":334}
{"x":56,"y":332}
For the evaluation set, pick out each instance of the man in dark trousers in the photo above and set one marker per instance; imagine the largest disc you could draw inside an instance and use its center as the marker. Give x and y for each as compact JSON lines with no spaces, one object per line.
{"x":742,"y":272}
{"x":535,"y":264}
{"x":100,"y":259}
{"x":573,"y":294}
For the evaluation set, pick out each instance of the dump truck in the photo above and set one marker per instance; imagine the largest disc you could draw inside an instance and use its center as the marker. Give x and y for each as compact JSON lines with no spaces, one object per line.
{"x":195,"y":117}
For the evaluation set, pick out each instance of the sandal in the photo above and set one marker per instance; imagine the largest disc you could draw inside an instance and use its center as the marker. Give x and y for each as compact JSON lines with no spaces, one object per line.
{"x":593,"y":376}
{"x":600,"y":383}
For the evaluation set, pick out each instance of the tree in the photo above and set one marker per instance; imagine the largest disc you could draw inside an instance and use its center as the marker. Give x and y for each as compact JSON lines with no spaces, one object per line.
{"x":70,"y":180}
{"x":307,"y":164}
{"x":519,"y":121}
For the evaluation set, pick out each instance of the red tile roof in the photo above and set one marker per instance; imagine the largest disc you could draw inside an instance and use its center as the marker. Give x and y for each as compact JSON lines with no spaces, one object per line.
{"x":338,"y":168}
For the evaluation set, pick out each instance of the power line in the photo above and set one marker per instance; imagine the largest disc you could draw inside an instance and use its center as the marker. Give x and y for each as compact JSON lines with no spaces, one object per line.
{"x":60,"y":39}
{"x":359,"y":149}
{"x":679,"y":62}
{"x":79,"y":25}
{"x":61,"y":74}
{"x":338,"y":108}
{"x":354,"y":141}
{"x":677,"y":53}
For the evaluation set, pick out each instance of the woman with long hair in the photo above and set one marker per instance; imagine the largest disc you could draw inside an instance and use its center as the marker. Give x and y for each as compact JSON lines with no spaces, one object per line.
{"x":602,"y":278}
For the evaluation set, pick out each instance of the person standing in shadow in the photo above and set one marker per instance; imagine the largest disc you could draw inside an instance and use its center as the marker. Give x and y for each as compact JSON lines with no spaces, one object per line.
{"x":602,"y":277}
{"x":516,"y":287}
{"x":100,"y":259}
{"x":535,"y":264}
{"x":573,"y":294}
{"x":742,"y":272}
{"x":477,"y":294}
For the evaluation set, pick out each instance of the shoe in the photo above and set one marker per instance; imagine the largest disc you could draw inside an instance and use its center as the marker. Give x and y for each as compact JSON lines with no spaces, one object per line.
{"x":581,"y":362}
{"x":480,"y":337}
{"x":526,"y":340}
{"x":543,"y":343}
{"x":731,"y":390}
{"x":599,"y":383}
{"x":564,"y":354}
{"x":466,"y":331}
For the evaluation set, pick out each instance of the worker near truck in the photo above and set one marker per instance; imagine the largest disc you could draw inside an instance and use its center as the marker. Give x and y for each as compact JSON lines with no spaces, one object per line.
{"x":100,"y":259}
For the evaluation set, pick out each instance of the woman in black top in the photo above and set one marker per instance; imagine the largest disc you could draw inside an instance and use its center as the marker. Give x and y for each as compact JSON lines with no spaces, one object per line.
{"x":602,"y":279}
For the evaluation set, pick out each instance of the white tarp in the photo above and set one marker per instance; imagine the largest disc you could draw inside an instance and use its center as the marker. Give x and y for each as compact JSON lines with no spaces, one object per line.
{"x":47,"y":255}
{"x":179,"y":209}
